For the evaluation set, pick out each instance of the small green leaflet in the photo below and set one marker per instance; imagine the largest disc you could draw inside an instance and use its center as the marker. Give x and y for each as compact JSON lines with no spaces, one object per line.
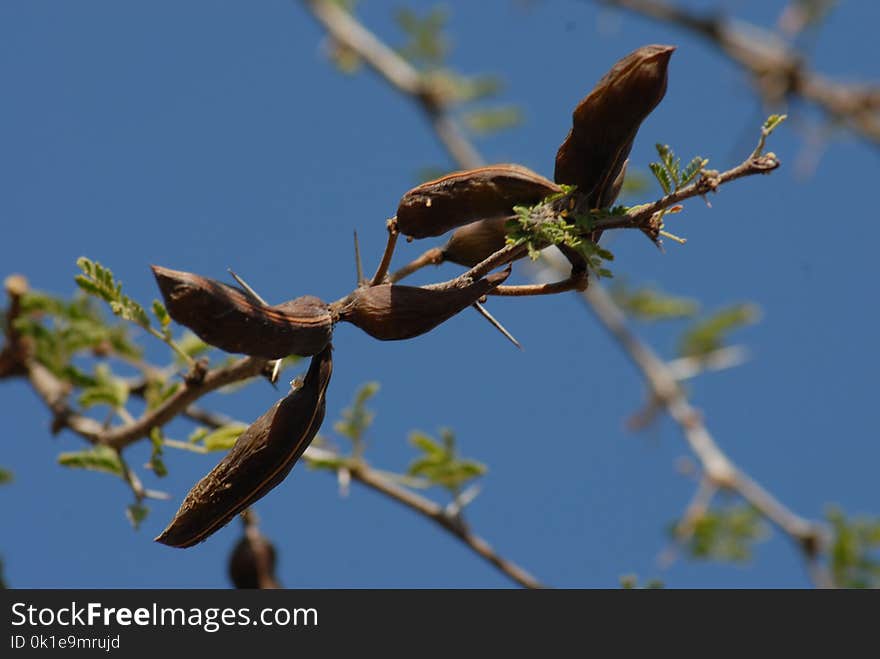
{"x":99,"y":458}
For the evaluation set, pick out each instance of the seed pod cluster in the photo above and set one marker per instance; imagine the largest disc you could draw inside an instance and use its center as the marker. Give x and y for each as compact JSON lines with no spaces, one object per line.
{"x":605,"y":123}
{"x":435,"y":207}
{"x":476,"y":204}
{"x":260,"y":459}
{"x":391,"y":312}
{"x":229,"y":319}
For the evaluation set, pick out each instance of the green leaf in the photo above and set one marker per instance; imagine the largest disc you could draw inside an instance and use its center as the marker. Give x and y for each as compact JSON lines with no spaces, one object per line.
{"x":650,"y":304}
{"x":425,"y":44}
{"x":662,"y":177}
{"x":693,"y":168}
{"x":161,"y":314}
{"x":98,"y":280}
{"x":357,"y":418}
{"x":726,"y":534}
{"x":439,"y":463}
{"x":631,"y":582}
{"x":492,"y":120}
{"x":60,"y":329}
{"x":223,"y":438}
{"x":773,"y":122}
{"x":157,"y":464}
{"x":99,"y":458}
{"x":5,"y":476}
{"x":192,"y":345}
{"x":710,"y":334}
{"x":198,"y":435}
{"x":330,"y":464}
{"x":426,"y":443}
{"x":854,"y":555}
{"x":107,"y":389}
{"x":136,"y":513}
{"x":157,"y":392}
{"x":635,"y":182}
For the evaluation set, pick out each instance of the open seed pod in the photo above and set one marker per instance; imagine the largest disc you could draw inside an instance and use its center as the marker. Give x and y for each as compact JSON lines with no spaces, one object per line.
{"x":229,"y":319}
{"x":435,"y":207}
{"x":260,"y":459}
{"x":391,"y":312}
{"x":605,"y":123}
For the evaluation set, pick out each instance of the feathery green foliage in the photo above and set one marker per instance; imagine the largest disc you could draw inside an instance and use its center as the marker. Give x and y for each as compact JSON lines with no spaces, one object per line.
{"x":98,"y":280}
{"x":425,"y":44}
{"x":223,"y":438}
{"x":710,"y":334}
{"x":491,"y":120}
{"x":357,"y":418}
{"x":99,"y":458}
{"x":772,"y":123}
{"x":157,"y":444}
{"x":649,"y":304}
{"x":631,"y":582}
{"x":669,"y":172}
{"x":61,"y":329}
{"x":136,"y":514}
{"x":105,"y":389}
{"x":726,"y":534}
{"x":854,"y":556}
{"x":440,"y":464}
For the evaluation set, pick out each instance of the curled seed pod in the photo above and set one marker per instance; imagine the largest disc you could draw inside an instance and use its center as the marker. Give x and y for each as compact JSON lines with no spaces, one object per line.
{"x":260,"y":459}
{"x":229,"y":319}
{"x":391,"y":312}
{"x":435,"y":207}
{"x":605,"y":123}
{"x":477,"y":241}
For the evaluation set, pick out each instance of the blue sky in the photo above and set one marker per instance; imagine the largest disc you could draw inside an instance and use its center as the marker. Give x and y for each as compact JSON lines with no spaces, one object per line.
{"x":206,"y":135}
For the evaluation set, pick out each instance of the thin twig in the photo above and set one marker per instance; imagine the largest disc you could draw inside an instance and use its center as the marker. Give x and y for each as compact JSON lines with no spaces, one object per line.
{"x":719,"y":470}
{"x":778,"y":69}
{"x":385,"y":263}
{"x":436,"y":513}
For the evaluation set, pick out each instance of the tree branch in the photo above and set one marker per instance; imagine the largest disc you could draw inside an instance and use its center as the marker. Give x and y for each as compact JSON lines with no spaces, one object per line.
{"x":720,"y":471}
{"x":777,"y":68}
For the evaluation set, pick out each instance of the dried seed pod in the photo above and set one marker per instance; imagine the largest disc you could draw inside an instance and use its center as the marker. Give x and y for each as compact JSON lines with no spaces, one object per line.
{"x":229,"y":319}
{"x":605,"y":123}
{"x":391,"y":312}
{"x":252,"y":563}
{"x":435,"y":207}
{"x":260,"y":459}
{"x":477,"y":241}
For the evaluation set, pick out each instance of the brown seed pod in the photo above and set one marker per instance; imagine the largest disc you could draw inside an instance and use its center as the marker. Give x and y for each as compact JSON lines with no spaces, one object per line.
{"x":391,"y":312}
{"x":260,"y":459}
{"x":605,"y":123}
{"x":252,"y":563}
{"x":435,"y":207}
{"x":477,"y":241}
{"x":229,"y":319}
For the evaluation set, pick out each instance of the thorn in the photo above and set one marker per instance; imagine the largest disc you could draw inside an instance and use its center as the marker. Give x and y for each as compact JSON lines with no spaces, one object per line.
{"x":247,"y":289}
{"x":276,"y":365}
{"x":485,"y":313}
{"x":357,"y":260}
{"x":276,"y":371}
